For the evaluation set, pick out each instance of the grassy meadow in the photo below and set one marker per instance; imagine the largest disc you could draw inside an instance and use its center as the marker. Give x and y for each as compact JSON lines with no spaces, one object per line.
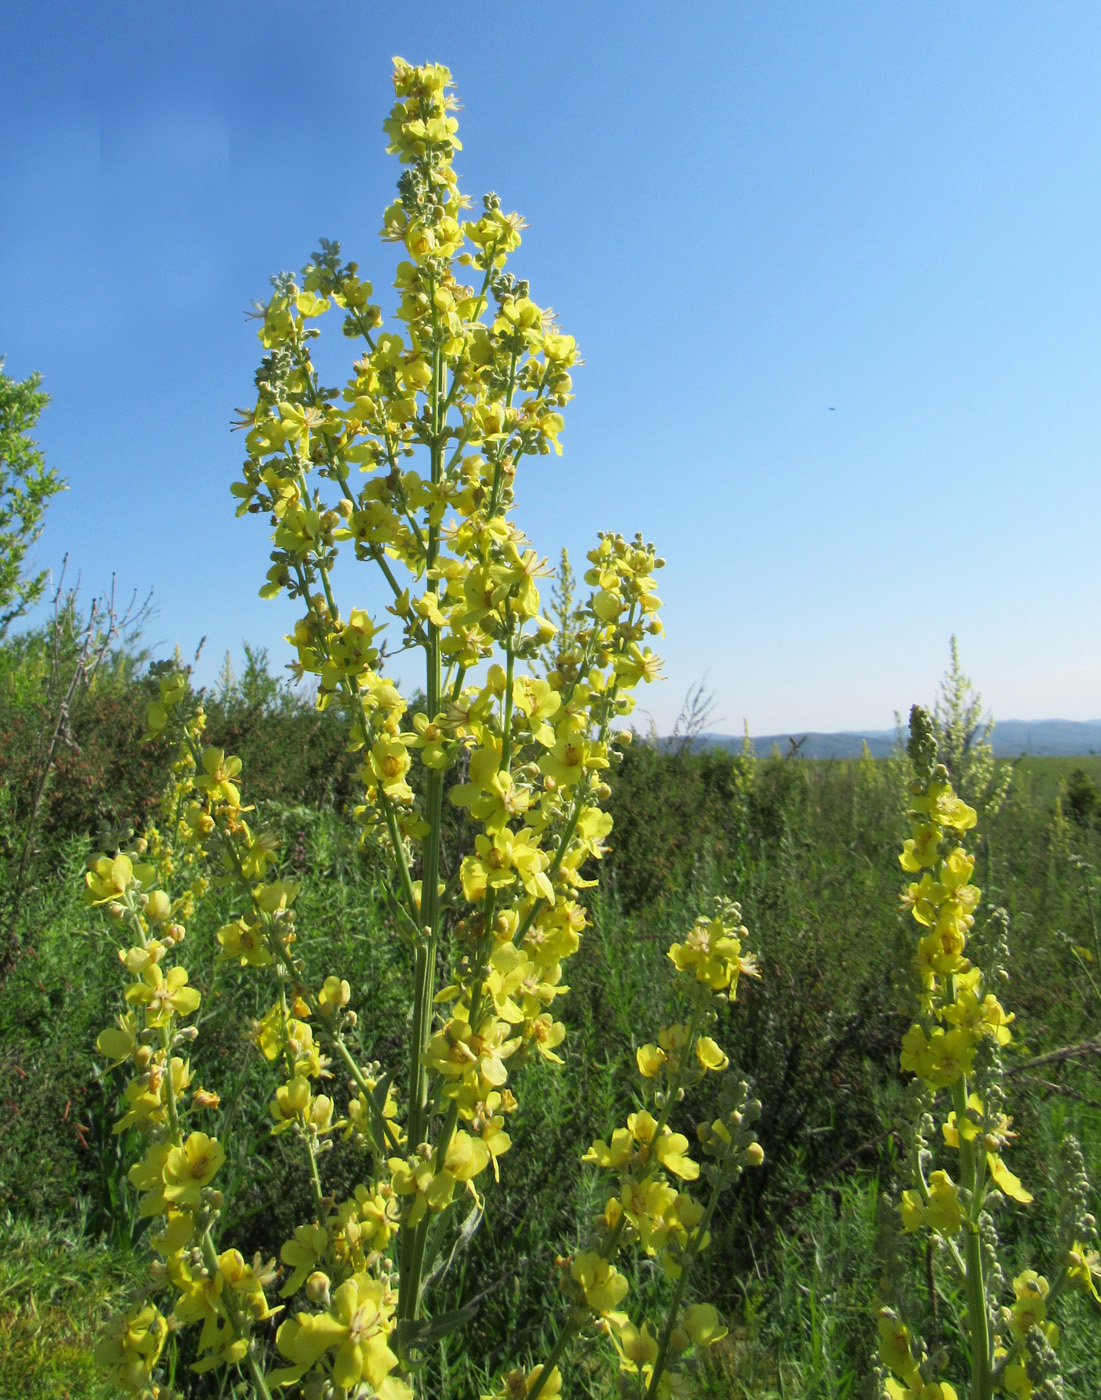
{"x":801,"y":1252}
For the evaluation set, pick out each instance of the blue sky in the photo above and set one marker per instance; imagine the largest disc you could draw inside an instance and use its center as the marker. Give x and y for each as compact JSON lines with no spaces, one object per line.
{"x":834,"y":270}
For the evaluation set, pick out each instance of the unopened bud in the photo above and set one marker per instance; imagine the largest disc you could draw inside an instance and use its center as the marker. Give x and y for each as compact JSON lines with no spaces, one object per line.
{"x":755,"y":1154}
{"x":317,"y":1288}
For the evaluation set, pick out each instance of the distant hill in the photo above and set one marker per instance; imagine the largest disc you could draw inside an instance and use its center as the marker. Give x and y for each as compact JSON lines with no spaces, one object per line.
{"x":1050,"y":738}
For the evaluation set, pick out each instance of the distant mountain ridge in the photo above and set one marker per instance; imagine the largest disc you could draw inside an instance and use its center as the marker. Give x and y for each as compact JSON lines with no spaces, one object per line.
{"x":1041,"y":738}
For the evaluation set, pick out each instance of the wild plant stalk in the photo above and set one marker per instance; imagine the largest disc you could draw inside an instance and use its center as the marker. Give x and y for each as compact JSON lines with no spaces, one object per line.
{"x":954,"y":1051}
{"x":471,"y":385}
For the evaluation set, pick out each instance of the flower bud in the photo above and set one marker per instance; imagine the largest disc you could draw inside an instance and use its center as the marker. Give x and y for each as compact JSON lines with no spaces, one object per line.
{"x":157,"y":906}
{"x":317,"y":1288}
{"x":755,"y":1154}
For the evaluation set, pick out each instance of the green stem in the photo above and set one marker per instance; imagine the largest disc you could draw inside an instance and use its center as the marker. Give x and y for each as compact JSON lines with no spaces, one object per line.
{"x":972,"y":1165}
{"x":690,"y":1256}
{"x":424,"y":973}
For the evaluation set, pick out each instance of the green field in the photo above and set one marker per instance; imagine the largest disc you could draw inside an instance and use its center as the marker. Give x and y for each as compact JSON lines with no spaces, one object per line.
{"x":800,"y":1253}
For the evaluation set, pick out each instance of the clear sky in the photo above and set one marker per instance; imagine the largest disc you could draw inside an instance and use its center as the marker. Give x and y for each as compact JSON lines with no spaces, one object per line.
{"x":834,"y":270}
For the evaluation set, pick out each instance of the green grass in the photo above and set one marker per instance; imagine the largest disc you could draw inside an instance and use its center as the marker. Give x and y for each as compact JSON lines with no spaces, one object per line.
{"x":799,"y":1254}
{"x":56,"y":1290}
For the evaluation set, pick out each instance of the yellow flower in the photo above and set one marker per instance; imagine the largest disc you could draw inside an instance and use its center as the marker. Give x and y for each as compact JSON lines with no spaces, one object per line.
{"x":710,"y":1055}
{"x":215,"y":779}
{"x":304,"y":1253}
{"x":943,"y":1212}
{"x":163,"y":997}
{"x":189,"y":1168}
{"x":714,"y":951}
{"x":119,"y":1043}
{"x":649,"y":1059}
{"x":1030,"y":1309}
{"x":1083,"y":1266}
{"x":702,"y":1325}
{"x":894,"y":1345}
{"x":108,"y":877}
{"x":921,"y":850}
{"x":357,"y":1328}
{"x":132,"y":1346}
{"x":601,"y":1284}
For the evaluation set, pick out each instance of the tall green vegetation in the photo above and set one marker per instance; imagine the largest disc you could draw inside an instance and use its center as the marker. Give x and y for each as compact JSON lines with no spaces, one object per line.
{"x":26,"y":487}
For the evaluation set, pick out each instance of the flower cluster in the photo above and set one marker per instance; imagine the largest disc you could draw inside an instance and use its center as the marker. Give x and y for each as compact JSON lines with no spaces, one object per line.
{"x":953,"y":1050}
{"x":176,"y":1172}
{"x":410,"y":466}
{"x":652,"y":1205}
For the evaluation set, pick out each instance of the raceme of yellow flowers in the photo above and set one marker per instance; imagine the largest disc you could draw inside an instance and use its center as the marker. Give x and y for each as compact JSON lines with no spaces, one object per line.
{"x":410,"y":467}
{"x":953,"y":1051}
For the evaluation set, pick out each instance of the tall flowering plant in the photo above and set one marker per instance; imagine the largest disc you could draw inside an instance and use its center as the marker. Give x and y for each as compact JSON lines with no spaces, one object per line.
{"x":409,"y":467}
{"x":954,"y":1050}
